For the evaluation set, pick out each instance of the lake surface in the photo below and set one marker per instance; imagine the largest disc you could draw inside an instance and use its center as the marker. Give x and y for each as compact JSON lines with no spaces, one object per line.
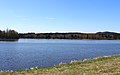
{"x":27,"y":53}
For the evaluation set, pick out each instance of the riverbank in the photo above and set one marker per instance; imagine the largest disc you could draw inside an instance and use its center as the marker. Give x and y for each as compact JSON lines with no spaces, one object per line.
{"x":107,"y":65}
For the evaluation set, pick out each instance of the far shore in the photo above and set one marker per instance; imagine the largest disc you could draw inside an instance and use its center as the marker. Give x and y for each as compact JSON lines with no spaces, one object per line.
{"x":9,"y":40}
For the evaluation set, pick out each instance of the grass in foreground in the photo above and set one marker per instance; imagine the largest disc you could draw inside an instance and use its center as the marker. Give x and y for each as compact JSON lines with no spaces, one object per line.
{"x":97,"y":66}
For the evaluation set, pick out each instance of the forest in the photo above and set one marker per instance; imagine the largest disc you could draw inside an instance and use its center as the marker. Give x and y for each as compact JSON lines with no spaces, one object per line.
{"x":9,"y":35}
{"x":93,"y":36}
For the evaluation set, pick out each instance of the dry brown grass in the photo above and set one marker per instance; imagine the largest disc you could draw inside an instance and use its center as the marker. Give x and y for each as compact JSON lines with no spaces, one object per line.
{"x":98,"y":66}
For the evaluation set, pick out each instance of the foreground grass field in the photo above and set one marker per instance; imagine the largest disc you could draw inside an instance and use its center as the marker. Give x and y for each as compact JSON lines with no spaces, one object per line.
{"x":97,"y":66}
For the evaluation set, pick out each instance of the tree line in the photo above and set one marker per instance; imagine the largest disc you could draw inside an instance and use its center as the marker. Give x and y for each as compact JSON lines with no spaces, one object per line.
{"x":96,"y":36}
{"x":8,"y":35}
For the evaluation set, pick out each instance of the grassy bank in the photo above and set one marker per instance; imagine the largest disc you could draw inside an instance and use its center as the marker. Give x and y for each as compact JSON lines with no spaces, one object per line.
{"x":97,"y":66}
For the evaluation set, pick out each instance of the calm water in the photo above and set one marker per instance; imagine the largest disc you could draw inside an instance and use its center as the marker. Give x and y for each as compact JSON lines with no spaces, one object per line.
{"x":28,"y":53}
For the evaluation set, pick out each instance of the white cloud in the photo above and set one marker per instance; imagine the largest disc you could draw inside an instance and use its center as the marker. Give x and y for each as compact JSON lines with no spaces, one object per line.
{"x":22,"y":17}
{"x":25,"y":19}
{"x":50,"y":18}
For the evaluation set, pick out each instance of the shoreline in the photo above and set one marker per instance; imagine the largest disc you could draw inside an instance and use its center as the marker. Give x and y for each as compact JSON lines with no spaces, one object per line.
{"x":73,"y":63}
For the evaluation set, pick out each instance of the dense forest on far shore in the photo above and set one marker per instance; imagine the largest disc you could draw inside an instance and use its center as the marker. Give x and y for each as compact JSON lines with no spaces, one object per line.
{"x":8,"y":35}
{"x":12,"y":35}
{"x":94,"y":36}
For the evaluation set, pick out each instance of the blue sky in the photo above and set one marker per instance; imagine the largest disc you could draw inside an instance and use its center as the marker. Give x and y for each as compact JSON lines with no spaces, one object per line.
{"x":60,"y":15}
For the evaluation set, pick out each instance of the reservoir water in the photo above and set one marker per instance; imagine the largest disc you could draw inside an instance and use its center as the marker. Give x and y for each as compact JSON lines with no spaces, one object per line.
{"x":27,"y":53}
